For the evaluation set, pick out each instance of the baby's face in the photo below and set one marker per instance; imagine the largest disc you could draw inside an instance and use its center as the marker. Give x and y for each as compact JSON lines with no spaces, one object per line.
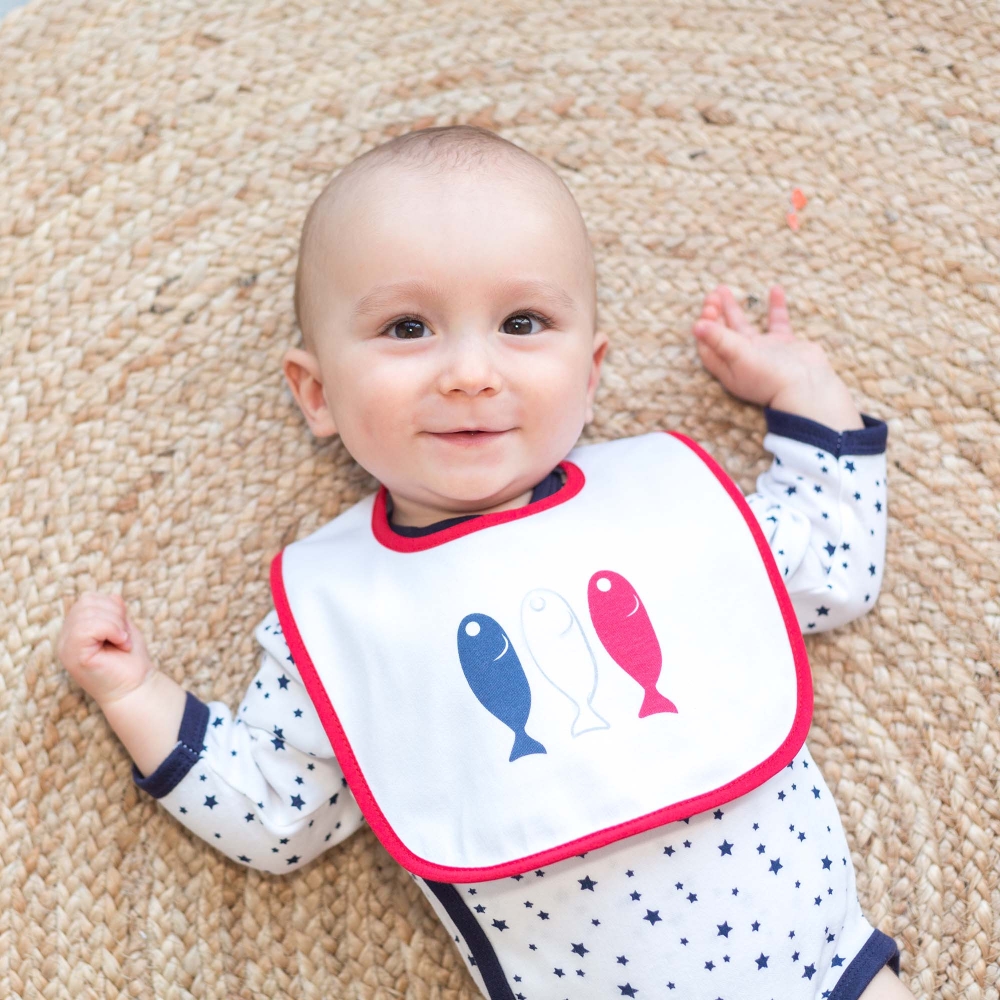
{"x":453,"y":323}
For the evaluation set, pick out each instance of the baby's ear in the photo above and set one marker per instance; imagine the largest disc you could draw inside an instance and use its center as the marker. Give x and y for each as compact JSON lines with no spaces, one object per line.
{"x":600,"y":348}
{"x":304,"y":378}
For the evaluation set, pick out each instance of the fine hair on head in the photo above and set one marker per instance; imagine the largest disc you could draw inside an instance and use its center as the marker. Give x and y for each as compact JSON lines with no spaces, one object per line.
{"x":439,"y":150}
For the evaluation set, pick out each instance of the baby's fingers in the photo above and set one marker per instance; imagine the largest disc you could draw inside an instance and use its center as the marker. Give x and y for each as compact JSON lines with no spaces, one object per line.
{"x":777,"y":316}
{"x":714,"y":365}
{"x":719,"y":339}
{"x":94,"y":620}
{"x":734,"y":315}
{"x":99,"y":630}
{"x":114,"y":629}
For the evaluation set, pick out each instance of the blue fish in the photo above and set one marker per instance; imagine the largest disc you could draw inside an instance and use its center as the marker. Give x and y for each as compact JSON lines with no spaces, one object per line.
{"x":497,"y":678}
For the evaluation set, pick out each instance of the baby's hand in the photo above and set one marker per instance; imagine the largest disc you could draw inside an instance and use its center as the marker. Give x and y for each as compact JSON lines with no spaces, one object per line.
{"x":752,"y":365}
{"x":101,"y":648}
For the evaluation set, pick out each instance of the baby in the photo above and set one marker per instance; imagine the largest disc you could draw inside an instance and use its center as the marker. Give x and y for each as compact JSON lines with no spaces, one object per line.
{"x":565,"y":684}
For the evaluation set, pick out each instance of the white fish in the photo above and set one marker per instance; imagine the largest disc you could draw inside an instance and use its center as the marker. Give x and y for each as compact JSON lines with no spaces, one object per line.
{"x":560,"y":649}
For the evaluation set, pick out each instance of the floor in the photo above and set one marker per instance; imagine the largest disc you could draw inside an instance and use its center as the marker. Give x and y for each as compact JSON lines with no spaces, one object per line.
{"x":6,"y":5}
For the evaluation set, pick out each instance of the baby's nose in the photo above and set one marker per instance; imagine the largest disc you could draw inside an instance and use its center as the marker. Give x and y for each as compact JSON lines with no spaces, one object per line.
{"x":470,"y":367}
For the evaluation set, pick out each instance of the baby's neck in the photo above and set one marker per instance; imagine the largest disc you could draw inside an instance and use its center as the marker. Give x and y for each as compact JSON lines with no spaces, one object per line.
{"x":415,"y":515}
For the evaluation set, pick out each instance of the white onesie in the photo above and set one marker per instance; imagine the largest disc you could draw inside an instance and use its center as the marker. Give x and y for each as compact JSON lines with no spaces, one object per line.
{"x":752,"y":898}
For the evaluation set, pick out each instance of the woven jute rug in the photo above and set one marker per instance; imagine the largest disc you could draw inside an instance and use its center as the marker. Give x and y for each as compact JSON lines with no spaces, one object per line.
{"x":156,"y":163}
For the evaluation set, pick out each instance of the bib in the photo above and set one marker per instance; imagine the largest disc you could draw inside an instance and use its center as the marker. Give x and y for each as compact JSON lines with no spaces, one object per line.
{"x":539,"y":682}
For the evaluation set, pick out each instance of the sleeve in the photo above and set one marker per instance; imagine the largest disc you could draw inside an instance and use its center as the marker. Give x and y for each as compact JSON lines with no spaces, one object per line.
{"x":822,"y":506}
{"x":264,"y":788}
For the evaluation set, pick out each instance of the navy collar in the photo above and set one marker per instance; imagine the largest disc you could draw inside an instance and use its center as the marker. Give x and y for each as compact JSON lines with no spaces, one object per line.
{"x":549,"y":485}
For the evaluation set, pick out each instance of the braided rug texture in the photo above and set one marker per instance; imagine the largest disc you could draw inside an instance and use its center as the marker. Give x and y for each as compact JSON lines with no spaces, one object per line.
{"x":156,"y":163}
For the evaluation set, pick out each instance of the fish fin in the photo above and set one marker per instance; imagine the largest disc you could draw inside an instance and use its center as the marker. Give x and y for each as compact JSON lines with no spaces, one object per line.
{"x":524,"y":744}
{"x":585,"y":723}
{"x":654,"y":702}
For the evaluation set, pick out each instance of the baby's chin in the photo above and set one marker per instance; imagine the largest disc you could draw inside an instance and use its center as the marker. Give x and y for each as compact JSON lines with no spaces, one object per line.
{"x":472,"y":493}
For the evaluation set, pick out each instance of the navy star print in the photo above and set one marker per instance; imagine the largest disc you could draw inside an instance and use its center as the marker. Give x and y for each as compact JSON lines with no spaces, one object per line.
{"x":708,"y":906}
{"x":805,"y":537}
{"x":698,"y":925}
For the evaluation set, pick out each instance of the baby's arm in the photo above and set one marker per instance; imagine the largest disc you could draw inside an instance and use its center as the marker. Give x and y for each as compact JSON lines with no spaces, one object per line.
{"x":822,"y":504}
{"x":263,"y":788}
{"x":267,"y":789}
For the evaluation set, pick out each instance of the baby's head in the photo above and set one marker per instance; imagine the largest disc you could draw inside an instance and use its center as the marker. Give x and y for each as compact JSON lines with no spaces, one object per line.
{"x":446,"y":282}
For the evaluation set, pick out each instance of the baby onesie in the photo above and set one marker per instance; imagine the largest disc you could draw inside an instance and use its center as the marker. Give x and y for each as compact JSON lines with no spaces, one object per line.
{"x":680,"y":906}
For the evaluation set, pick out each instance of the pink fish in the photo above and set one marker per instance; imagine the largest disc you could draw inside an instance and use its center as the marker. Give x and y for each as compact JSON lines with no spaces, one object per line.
{"x":624,"y":628}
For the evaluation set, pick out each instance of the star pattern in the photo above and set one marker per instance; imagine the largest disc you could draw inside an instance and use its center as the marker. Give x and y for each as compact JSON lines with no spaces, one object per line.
{"x":694,"y":932}
{"x":806,"y":528}
{"x":711,"y":906}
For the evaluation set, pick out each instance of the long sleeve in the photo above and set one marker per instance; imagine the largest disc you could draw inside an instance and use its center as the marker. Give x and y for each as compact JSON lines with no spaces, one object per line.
{"x":264,"y":788}
{"x":822,"y":506}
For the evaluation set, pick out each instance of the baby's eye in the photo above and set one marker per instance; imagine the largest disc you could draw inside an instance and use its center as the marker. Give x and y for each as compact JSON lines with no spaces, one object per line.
{"x":520,"y":323}
{"x":409,"y":329}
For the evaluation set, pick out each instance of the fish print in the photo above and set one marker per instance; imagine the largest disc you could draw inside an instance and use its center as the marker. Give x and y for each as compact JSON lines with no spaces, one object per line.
{"x":497,"y":678}
{"x":624,"y":628}
{"x":559,"y":647}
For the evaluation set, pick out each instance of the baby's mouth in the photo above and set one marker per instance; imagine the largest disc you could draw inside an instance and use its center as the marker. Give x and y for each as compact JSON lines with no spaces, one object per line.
{"x":469,"y":435}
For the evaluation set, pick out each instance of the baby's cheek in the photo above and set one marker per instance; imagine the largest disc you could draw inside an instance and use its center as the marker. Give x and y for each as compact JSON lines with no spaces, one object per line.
{"x":559,"y":418}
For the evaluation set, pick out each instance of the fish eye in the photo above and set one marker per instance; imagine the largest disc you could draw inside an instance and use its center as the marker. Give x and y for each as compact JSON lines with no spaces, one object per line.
{"x":472,"y":628}
{"x":604,"y":584}
{"x":537,"y":603}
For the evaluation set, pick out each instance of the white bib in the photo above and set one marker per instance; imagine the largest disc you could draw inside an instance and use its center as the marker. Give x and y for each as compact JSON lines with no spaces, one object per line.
{"x":539,"y":682}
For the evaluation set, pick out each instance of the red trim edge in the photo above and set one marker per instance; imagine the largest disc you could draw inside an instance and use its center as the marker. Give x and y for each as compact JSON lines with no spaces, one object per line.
{"x":679,"y":810}
{"x":405,"y":543}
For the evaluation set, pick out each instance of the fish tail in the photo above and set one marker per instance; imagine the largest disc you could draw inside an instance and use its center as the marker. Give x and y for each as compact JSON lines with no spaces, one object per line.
{"x":586,"y":720}
{"x":524,"y":744}
{"x":655,"y":702}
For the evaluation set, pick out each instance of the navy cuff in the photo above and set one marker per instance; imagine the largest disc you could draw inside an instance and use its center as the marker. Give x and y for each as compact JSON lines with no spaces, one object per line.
{"x":190,"y":743}
{"x":877,"y":952}
{"x":870,"y":441}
